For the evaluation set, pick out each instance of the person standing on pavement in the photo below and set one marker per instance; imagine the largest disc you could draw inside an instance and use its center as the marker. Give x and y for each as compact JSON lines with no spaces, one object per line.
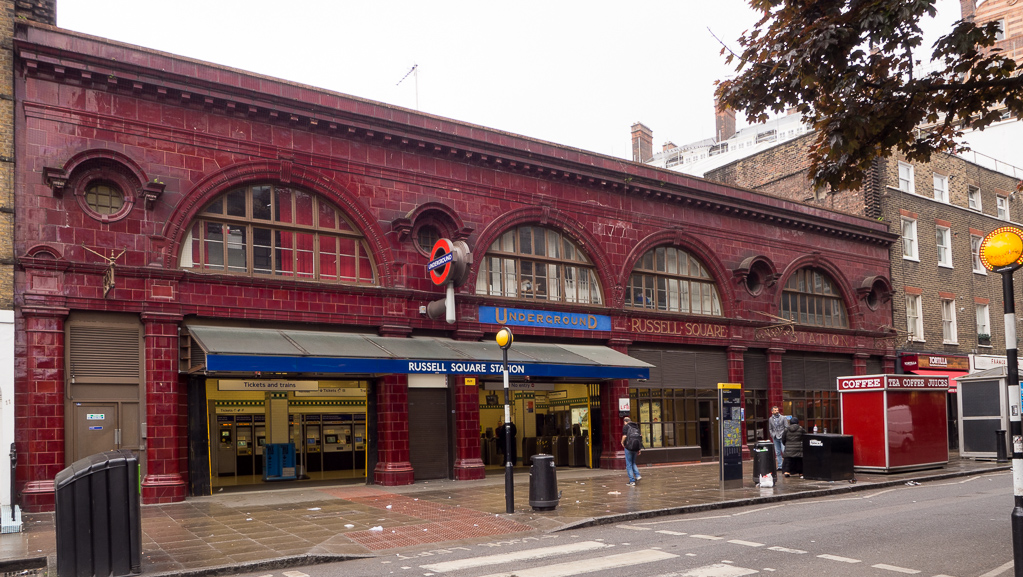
{"x":776,"y":428}
{"x":793,"y":439}
{"x":632,"y":442}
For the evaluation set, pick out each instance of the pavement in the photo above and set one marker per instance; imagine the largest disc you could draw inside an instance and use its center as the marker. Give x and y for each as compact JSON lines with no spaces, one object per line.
{"x":237,"y":532}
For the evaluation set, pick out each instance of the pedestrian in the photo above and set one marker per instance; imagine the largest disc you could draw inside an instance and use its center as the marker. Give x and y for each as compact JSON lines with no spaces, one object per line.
{"x":501,"y":440}
{"x":793,"y":439}
{"x":776,"y":427}
{"x":632,"y":442}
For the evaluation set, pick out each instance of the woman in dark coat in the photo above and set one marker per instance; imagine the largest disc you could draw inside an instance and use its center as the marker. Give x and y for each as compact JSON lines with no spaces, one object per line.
{"x":792,"y":437}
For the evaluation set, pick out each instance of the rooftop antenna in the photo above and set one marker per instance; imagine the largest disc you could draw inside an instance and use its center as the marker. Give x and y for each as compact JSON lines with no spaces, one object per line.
{"x":415,"y":73}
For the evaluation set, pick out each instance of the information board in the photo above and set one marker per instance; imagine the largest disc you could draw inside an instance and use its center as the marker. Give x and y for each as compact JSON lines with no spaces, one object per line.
{"x":730,"y":411}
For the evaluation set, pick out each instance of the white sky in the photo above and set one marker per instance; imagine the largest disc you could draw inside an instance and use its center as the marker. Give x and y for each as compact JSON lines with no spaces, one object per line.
{"x":573,"y":72}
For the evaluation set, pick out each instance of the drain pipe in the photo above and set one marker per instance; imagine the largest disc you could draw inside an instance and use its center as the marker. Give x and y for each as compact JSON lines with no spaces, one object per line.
{"x":14,"y":465}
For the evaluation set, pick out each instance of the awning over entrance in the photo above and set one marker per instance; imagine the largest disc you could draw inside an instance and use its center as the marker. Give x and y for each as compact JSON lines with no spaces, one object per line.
{"x":248,"y":350}
{"x":952,"y":385}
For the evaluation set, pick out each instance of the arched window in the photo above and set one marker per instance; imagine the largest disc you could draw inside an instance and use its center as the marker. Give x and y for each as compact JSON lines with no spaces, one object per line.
{"x":269,"y":230}
{"x":670,"y":279}
{"x":531,"y":262}
{"x":810,"y":297}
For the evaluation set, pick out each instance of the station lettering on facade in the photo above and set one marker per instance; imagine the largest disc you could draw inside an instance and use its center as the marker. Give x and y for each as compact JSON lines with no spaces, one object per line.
{"x":546,"y":319}
{"x":679,"y":328}
{"x":463,"y":368}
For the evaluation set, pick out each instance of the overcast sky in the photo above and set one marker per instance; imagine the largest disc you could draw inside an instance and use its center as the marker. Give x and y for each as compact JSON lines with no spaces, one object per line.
{"x":572,"y":72}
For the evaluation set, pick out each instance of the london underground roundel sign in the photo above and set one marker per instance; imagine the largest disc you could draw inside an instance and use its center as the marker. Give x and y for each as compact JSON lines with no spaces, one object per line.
{"x":440,"y":265}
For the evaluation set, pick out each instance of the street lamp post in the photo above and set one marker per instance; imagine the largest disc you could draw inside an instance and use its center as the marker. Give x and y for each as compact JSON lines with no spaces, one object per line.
{"x":504,"y":340}
{"x":1001,"y":251}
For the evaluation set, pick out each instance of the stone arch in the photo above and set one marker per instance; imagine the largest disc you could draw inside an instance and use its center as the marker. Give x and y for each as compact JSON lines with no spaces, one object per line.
{"x":679,"y":239}
{"x":551,"y":218}
{"x":282,"y":172}
{"x":817,"y":261}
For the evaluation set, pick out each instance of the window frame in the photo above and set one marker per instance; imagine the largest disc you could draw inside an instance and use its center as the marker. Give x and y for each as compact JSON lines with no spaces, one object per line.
{"x":915,"y":325}
{"x":941,"y":188}
{"x":1002,"y":203}
{"x":266,"y":242}
{"x":973,"y":198}
{"x":683,"y":283}
{"x":794,"y":299}
{"x":946,"y":248}
{"x":540,"y":267}
{"x":983,"y":320}
{"x":909,"y":179}
{"x":978,"y":265}
{"x":913,"y":239}
{"x":949,"y":328}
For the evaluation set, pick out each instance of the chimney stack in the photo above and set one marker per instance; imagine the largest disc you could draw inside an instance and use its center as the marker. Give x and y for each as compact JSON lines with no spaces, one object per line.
{"x":968,"y":9}
{"x":642,"y":143}
{"x":724,"y":122}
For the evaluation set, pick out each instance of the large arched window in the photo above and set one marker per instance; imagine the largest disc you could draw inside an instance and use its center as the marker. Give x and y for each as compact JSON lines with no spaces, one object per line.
{"x":810,"y":297}
{"x":670,"y":279}
{"x":531,"y":262}
{"x":269,"y":230}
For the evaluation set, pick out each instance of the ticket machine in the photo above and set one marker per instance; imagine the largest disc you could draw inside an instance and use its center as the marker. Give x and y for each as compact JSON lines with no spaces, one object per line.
{"x":337,"y":443}
{"x":313,"y":444}
{"x":243,"y":444}
{"x":224,"y":432}
{"x":296,"y":439}
{"x":259,"y":434}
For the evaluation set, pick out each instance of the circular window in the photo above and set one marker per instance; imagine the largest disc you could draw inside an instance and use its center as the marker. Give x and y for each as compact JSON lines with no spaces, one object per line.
{"x":104,"y":198}
{"x":426,"y":237}
{"x":754,"y":282}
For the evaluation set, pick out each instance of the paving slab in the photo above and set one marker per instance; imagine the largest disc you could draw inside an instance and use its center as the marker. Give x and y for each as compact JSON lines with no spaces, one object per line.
{"x":288,"y":527}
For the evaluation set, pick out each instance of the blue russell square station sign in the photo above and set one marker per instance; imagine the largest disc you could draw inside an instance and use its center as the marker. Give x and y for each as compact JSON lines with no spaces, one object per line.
{"x":544,"y":319}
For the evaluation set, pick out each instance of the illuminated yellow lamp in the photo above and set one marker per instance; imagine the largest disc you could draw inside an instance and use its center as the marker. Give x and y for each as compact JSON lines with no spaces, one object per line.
{"x":1002,"y":247}
{"x":504,"y":338}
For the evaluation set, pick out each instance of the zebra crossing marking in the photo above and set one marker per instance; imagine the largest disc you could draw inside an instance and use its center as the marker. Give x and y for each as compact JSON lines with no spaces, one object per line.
{"x":666,"y":532}
{"x":837,"y":558}
{"x":746,"y":543}
{"x":570,"y":568}
{"x":895,"y":568}
{"x":707,"y":537}
{"x":787,"y":550}
{"x":526,"y":555}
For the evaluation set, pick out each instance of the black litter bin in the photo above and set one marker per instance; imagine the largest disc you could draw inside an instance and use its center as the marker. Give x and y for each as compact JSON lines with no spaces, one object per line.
{"x":543,"y":483}
{"x":828,"y":457}
{"x":764,"y":460}
{"x":98,"y":518}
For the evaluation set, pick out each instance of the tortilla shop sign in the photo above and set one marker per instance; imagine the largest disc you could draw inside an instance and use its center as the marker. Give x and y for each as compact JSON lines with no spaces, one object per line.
{"x":546,"y":319}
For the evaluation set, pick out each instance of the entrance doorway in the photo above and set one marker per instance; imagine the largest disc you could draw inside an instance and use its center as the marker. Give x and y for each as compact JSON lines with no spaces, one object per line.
{"x":428,"y":426}
{"x":99,"y":427}
{"x":708,"y":425}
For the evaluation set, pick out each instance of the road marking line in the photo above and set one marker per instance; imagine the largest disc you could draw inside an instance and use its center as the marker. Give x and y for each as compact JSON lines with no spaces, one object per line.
{"x":999,"y":570}
{"x":716,"y":570}
{"x":746,"y":543}
{"x":528,"y":554}
{"x":894,"y":568}
{"x":708,"y":537}
{"x":634,"y":528}
{"x":295,"y":574}
{"x":837,"y":558}
{"x":667,"y":532}
{"x":590,"y":565}
{"x":787,"y":550}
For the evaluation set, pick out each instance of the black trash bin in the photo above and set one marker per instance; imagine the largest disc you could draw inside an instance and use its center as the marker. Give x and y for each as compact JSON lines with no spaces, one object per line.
{"x":98,"y":517}
{"x":543,"y":483}
{"x":828,"y":457}
{"x":764,"y":461}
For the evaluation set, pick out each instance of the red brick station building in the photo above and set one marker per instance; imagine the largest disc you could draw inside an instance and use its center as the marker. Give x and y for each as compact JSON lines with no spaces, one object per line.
{"x":210,"y":260}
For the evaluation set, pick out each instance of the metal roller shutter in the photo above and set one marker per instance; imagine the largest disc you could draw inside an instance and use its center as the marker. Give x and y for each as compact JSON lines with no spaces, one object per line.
{"x":754,"y":371}
{"x":428,"y":433}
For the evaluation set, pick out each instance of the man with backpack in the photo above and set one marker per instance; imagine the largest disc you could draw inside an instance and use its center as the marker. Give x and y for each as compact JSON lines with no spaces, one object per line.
{"x":632,"y":442}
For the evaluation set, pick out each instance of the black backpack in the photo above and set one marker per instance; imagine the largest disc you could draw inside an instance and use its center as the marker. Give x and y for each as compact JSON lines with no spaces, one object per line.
{"x":633,"y":438}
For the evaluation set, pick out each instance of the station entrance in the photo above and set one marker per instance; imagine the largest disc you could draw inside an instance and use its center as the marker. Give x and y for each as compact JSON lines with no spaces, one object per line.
{"x":326,"y":425}
{"x":558,"y":419}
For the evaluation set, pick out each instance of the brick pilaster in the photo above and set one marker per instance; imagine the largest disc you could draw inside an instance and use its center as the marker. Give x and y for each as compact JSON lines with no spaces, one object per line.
{"x":860,"y":363}
{"x":613,"y":455}
{"x":468,"y":464}
{"x":393,"y":466}
{"x":166,"y":427}
{"x":39,"y":407}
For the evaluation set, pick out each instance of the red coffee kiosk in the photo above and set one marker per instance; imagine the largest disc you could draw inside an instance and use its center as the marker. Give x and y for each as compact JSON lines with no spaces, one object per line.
{"x":898,"y":422}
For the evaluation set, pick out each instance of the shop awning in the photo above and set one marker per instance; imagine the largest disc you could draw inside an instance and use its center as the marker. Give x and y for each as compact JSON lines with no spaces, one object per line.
{"x":952,"y":385}
{"x":249,"y":350}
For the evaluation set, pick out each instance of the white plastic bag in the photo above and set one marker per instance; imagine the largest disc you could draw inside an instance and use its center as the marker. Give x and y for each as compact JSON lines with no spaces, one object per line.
{"x":766,"y":480}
